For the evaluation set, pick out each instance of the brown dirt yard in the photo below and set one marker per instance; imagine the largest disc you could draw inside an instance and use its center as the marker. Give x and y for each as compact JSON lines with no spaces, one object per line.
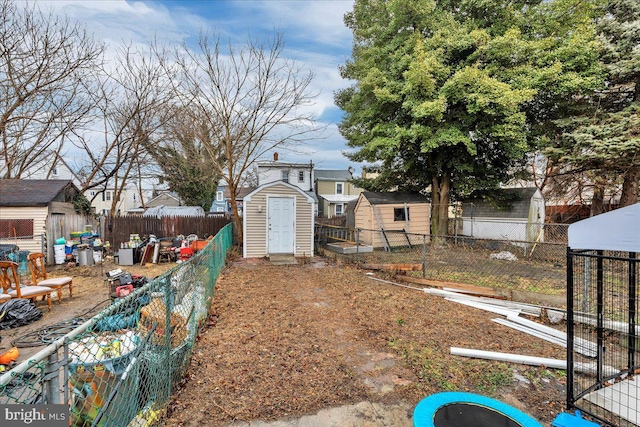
{"x":285,"y":341}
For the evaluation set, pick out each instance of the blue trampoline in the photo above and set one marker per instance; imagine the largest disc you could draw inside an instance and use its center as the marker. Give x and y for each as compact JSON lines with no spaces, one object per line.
{"x":458,"y":409}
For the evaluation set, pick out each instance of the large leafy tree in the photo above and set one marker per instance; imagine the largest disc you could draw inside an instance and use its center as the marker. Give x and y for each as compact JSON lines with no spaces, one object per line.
{"x":604,"y":143}
{"x":452,"y":95}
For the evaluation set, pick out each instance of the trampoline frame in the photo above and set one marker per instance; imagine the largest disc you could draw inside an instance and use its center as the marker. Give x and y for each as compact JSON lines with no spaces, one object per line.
{"x":425,"y":411}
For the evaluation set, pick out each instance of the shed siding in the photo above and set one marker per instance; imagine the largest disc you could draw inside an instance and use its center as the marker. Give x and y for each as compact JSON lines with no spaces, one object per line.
{"x":39,"y":216}
{"x":418,"y":224}
{"x":255,"y":239}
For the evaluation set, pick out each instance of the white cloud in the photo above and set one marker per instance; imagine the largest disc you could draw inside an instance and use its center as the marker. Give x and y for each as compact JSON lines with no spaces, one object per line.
{"x":314,"y":32}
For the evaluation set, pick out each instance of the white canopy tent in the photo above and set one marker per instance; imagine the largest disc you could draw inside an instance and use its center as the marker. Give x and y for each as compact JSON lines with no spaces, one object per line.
{"x":618,"y":230}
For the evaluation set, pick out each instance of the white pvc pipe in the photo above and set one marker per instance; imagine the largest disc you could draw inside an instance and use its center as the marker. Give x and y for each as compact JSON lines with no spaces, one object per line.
{"x":508,"y":357}
{"x":490,"y":308}
{"x":531,"y":332}
{"x":585,"y":368}
{"x":581,"y":345}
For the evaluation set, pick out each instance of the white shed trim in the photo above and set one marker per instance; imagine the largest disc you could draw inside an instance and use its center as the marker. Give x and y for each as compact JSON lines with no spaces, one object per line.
{"x":247,"y":198}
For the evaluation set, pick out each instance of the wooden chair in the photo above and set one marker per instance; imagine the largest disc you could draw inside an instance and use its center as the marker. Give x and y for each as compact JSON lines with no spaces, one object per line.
{"x":39,"y":276}
{"x":11,"y":284}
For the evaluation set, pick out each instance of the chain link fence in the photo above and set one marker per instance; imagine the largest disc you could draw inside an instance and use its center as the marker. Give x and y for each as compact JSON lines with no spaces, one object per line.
{"x":537,"y":266}
{"x":120,"y":367}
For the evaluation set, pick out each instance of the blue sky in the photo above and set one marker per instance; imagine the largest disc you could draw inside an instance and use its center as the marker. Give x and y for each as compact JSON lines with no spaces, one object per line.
{"x":313,"y":30}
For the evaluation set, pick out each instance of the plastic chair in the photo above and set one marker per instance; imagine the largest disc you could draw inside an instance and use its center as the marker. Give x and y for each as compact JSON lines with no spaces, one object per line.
{"x":11,"y":284}
{"x":39,"y":272}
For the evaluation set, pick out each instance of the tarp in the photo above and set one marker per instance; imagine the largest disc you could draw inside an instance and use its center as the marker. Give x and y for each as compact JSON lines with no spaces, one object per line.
{"x":618,"y":230}
{"x":160,"y":211}
{"x":18,"y":312}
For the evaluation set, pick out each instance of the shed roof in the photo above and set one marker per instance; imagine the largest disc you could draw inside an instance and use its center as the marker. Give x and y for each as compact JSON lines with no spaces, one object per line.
{"x":394,"y":197}
{"x":310,"y":195}
{"x":160,"y":211}
{"x":332,"y":175}
{"x":477,"y":207}
{"x":612,"y":231}
{"x":32,"y":192}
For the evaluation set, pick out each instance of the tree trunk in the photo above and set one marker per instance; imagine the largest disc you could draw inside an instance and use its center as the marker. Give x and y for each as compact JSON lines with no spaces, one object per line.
{"x":440,"y":210}
{"x":597,"y":202}
{"x":629,"y":194}
{"x":237,"y":220}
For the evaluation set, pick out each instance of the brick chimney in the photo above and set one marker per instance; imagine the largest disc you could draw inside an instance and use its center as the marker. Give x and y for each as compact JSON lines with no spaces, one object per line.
{"x":275,"y":157}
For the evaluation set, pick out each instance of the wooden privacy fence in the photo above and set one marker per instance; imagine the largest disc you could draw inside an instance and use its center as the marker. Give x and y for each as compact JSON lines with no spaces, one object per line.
{"x":119,"y":228}
{"x":63,"y":225}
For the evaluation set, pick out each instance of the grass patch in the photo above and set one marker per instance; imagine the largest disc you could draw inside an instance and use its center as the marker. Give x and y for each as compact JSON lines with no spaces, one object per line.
{"x":438,"y":372}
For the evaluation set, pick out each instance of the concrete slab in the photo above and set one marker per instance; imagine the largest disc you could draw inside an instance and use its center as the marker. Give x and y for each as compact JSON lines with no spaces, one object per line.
{"x":349,"y":248}
{"x":283,"y":259}
{"x":363,"y":414}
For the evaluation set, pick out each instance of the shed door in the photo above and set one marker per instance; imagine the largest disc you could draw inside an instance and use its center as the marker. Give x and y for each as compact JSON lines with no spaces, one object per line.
{"x":281,"y":222}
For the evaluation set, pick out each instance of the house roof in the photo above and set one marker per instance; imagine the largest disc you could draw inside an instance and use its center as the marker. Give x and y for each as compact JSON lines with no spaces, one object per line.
{"x":520,"y":204}
{"x":160,"y":211}
{"x":33,"y":192}
{"x":279,"y":164}
{"x":394,"y":197}
{"x":164,"y":194}
{"x":332,"y":175}
{"x":612,"y":231}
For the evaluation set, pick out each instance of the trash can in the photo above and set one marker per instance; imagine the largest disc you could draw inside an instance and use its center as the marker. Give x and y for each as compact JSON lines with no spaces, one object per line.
{"x":85,"y":256}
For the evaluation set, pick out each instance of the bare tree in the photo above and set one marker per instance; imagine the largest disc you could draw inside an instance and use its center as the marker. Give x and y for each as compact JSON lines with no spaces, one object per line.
{"x":129,"y":103}
{"x":44,"y":62}
{"x":183,"y":157}
{"x":252,"y":98}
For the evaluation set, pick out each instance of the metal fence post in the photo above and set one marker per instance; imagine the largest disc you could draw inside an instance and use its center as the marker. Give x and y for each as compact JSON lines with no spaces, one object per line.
{"x":424,"y":256}
{"x":52,"y":380}
{"x":357,"y":246}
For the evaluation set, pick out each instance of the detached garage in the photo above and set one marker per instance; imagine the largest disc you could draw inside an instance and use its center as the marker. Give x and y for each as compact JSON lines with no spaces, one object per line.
{"x":278,"y":218}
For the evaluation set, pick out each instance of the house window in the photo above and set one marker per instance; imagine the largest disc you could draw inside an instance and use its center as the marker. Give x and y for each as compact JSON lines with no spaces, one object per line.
{"x":399,"y":214}
{"x":92,"y":193}
{"x":301,"y":176}
{"x":339,"y":187}
{"x":285,"y":176}
{"x":219,"y":196}
{"x":55,"y":171}
{"x":107,"y":196}
{"x":339,"y":209}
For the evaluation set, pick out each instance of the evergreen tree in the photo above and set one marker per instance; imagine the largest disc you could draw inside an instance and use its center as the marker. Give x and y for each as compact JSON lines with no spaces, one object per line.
{"x":452,"y":94}
{"x":605,"y":142}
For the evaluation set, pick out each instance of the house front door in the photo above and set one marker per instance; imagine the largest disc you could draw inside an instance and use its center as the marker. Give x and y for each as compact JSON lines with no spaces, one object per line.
{"x":281,"y":217}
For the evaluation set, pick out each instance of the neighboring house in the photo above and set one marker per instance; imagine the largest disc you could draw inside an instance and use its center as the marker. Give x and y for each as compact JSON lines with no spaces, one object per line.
{"x":278,"y":219}
{"x":522,"y":222}
{"x":25,"y":205}
{"x":222,"y":202}
{"x":334,"y":190}
{"x":297,"y":174}
{"x":53,"y":167}
{"x":380,"y":216}
{"x":160,"y":211}
{"x":164,"y":198}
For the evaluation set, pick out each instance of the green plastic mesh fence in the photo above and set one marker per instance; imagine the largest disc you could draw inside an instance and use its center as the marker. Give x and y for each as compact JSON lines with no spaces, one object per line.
{"x":122,"y":367}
